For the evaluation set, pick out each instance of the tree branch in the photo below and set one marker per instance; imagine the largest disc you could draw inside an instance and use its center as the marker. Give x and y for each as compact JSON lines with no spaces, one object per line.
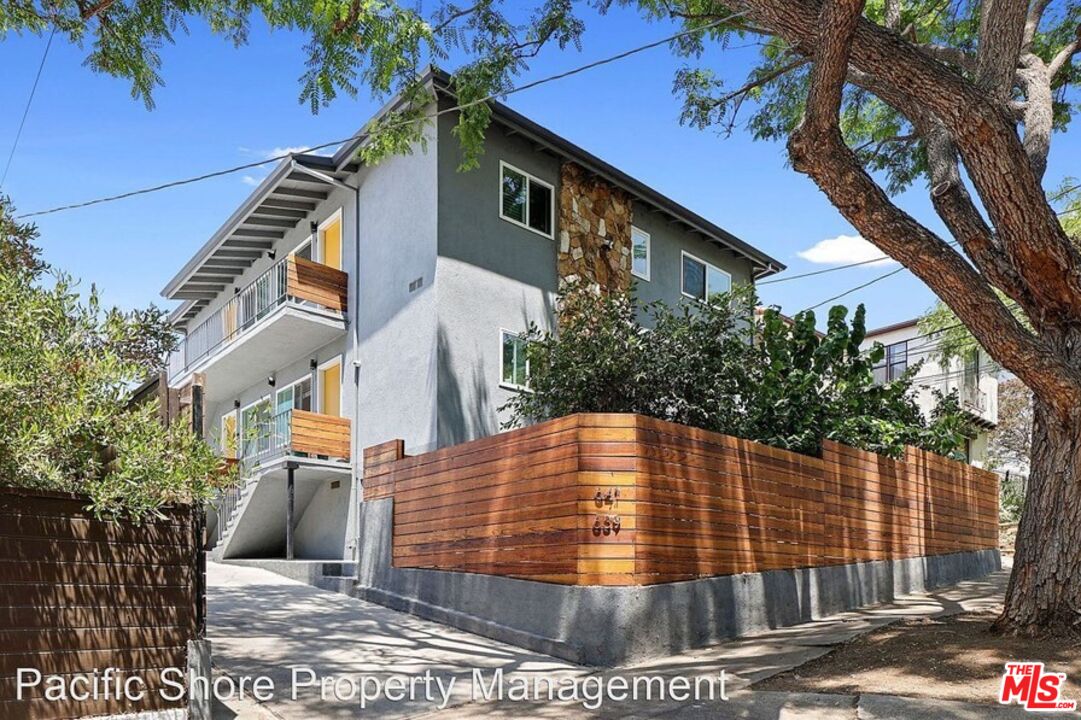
{"x":984,"y":133}
{"x":1064,"y":55}
{"x":762,"y":80}
{"x":817,"y":148}
{"x":950,"y":55}
{"x":1032,"y":22}
{"x":1002,"y":31}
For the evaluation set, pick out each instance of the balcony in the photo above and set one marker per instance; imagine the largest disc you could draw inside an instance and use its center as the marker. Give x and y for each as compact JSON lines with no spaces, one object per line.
{"x":295,"y":306}
{"x":296,"y":432}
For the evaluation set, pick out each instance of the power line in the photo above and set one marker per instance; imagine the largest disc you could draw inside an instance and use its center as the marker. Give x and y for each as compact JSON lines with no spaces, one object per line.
{"x":26,"y":110}
{"x":858,"y":287}
{"x":527,"y":86}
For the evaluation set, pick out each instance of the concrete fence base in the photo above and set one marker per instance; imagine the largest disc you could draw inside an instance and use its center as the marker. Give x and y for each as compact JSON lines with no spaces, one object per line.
{"x":607,"y":626}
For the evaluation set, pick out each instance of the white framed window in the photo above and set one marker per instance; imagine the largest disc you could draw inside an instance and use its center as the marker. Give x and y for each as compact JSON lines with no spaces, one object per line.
{"x":255,"y":422}
{"x":701,"y":280}
{"x":296,"y":395}
{"x":513,"y":361}
{"x":526,"y":200}
{"x":640,"y":253}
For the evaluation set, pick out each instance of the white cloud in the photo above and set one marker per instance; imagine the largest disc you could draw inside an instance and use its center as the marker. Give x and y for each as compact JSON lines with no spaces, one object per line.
{"x":844,"y":249}
{"x":251,"y":180}
{"x":288,"y":150}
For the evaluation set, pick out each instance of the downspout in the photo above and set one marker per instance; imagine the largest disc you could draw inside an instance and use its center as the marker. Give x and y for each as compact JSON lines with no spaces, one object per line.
{"x":357,"y":455}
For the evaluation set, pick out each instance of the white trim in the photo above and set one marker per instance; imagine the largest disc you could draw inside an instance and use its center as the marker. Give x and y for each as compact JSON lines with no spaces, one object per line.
{"x":530,"y":179}
{"x":705,"y":277}
{"x":317,"y":390}
{"x":502,"y":382}
{"x":649,"y":254}
{"x":283,"y":388}
{"x":310,"y":240}
{"x":321,"y":258}
{"x":235,"y":414}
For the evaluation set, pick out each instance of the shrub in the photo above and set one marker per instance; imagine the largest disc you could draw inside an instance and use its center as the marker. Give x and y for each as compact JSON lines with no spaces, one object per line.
{"x":774,"y":380}
{"x":66,"y":370}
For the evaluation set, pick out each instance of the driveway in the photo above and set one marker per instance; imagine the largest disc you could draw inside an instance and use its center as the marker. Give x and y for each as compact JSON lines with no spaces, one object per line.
{"x":262,"y":624}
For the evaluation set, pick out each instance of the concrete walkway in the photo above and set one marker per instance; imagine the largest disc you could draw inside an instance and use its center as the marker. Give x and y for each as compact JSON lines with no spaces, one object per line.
{"x":264,"y":624}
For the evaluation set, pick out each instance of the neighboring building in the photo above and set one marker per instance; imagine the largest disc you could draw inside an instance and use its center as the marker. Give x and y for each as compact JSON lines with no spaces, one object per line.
{"x":315,"y":335}
{"x":975,"y":378}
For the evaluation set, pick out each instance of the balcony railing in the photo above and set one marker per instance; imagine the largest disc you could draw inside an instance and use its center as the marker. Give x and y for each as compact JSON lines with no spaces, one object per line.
{"x":291,"y":279}
{"x":973,"y":399}
{"x":296,"y":432}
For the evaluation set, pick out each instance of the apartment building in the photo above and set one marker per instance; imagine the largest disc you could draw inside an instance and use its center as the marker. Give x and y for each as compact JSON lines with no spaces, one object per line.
{"x":342,"y":305}
{"x":974,"y":378}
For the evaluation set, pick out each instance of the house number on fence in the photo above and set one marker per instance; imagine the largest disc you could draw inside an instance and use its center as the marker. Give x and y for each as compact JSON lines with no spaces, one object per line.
{"x":606,"y":524}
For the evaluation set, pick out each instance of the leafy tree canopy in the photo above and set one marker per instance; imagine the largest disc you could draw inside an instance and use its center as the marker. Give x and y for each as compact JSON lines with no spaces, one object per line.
{"x":66,"y":373}
{"x":773,"y":380}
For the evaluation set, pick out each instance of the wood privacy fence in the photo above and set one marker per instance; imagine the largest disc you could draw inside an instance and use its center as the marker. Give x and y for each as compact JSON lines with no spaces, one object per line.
{"x":613,"y":499}
{"x":78,"y":594}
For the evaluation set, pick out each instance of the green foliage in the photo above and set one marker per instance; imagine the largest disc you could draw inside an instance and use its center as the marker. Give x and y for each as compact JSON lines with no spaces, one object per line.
{"x":66,"y":370}
{"x":774,"y":380}
{"x":952,"y":339}
{"x":1011,"y":497}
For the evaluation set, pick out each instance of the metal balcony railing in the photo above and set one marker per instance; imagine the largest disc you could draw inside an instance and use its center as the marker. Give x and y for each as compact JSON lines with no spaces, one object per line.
{"x":295,"y":431}
{"x":291,"y":278}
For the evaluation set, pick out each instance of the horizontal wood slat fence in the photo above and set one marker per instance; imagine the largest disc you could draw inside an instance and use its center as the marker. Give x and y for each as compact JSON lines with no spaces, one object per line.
{"x":78,"y":594}
{"x":618,"y":499}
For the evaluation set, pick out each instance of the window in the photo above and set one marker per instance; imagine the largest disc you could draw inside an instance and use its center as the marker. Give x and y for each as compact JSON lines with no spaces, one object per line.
{"x":702,"y":280}
{"x":894,"y":363}
{"x":255,"y":428}
{"x":297,"y":396}
{"x":525,"y":200}
{"x":639,"y":253}
{"x":513,"y":360}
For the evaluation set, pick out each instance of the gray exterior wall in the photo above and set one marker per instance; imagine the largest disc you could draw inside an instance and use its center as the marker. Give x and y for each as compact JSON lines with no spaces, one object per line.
{"x":492,"y":274}
{"x":424,"y":364}
{"x":667,"y":244}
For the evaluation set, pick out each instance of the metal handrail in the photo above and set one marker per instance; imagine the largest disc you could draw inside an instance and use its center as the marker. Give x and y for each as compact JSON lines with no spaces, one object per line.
{"x":250,"y":305}
{"x":270,"y":435}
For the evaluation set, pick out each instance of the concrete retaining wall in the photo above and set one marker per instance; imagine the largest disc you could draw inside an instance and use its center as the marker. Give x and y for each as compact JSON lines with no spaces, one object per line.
{"x":606,"y":626}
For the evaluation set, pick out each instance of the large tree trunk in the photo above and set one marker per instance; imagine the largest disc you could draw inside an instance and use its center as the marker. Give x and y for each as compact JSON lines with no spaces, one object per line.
{"x":1044,"y":594}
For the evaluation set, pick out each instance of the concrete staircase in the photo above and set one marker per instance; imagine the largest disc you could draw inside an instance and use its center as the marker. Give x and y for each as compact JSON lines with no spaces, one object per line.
{"x":228,"y":509}
{"x":253,"y":520}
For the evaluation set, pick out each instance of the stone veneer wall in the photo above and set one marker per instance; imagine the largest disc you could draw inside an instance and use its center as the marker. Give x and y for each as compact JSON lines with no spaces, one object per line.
{"x":595,"y":230}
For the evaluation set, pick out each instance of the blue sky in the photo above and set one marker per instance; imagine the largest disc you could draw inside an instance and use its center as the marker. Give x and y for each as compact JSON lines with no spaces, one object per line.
{"x":86,"y":137}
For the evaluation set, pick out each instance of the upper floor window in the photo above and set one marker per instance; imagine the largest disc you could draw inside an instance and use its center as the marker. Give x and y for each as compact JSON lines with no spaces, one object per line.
{"x":702,"y":280}
{"x":513,"y":361}
{"x":639,"y":253}
{"x":525,"y":200}
{"x":894,"y":363}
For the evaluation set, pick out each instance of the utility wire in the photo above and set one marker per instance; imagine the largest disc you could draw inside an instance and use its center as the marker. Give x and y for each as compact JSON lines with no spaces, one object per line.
{"x":858,"y":287}
{"x":527,"y":86}
{"x":26,"y":110}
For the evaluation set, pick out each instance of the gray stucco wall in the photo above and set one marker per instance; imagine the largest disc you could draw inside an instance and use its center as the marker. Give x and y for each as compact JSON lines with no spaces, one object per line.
{"x":492,"y":274}
{"x":608,"y":626}
{"x":667,"y":243}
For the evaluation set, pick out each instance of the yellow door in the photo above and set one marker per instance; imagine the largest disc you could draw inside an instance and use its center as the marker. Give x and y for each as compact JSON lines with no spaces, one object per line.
{"x":228,"y":435}
{"x":332,"y":244}
{"x":330,"y":389}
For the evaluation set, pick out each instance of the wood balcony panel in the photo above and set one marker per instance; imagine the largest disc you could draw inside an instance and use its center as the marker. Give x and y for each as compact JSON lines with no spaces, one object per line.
{"x":317,"y":434}
{"x":320,"y":284}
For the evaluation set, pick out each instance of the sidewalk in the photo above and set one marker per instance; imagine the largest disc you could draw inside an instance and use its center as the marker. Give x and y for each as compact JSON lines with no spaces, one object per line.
{"x":261,"y":623}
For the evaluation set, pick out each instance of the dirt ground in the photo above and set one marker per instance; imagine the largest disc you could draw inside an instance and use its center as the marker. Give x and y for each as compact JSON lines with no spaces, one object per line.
{"x":954,"y":658}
